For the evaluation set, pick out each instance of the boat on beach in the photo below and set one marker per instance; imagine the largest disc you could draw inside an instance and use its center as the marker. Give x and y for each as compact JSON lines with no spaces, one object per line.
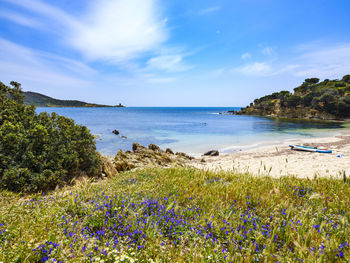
{"x":309,"y":149}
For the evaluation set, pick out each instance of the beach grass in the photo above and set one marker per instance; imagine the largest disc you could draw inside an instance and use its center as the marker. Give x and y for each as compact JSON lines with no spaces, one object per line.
{"x":180,"y":215}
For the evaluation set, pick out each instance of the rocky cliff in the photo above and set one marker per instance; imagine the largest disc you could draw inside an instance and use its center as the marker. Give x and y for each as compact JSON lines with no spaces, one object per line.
{"x":326,"y":100}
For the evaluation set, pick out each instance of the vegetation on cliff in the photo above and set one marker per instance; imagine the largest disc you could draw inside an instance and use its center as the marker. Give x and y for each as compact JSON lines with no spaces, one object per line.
{"x":329,"y":99}
{"x":40,"y":151}
{"x":40,"y":100}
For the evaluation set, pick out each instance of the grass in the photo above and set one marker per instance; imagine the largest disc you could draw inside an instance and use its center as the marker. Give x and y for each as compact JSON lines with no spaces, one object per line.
{"x":180,"y":215}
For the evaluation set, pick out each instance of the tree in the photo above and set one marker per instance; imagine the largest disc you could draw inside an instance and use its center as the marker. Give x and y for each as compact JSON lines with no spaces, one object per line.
{"x":40,"y":151}
{"x":293,"y":101}
{"x":312,"y":80}
{"x":346,"y":79}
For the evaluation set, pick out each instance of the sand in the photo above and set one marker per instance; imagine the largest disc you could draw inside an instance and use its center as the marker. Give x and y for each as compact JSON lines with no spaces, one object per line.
{"x":279,"y":160}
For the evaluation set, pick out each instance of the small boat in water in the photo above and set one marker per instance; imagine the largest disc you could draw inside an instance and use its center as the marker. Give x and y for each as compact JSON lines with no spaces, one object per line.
{"x":308,"y":149}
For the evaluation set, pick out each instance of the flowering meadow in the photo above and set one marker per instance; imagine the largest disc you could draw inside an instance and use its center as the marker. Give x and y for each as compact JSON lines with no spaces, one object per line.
{"x":180,"y":215}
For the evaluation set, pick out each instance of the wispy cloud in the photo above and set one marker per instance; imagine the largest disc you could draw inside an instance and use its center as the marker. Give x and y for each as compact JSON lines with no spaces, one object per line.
{"x":114,"y":31}
{"x":246,"y":56}
{"x":51,"y":12}
{"x":20,"y":19}
{"x":254,"y":69}
{"x":169,"y":63}
{"x":322,"y":61}
{"x":209,"y":10}
{"x":329,"y":62}
{"x":119,"y":30}
{"x":26,"y":65}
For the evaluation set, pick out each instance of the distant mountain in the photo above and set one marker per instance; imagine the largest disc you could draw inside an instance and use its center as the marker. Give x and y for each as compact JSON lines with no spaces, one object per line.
{"x":329,"y":99}
{"x":40,"y":100}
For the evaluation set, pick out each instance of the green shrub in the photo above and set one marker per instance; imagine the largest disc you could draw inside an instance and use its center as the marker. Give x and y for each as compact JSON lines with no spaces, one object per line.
{"x":312,"y":80}
{"x":346,"y":79}
{"x":40,"y":151}
{"x":293,"y":101}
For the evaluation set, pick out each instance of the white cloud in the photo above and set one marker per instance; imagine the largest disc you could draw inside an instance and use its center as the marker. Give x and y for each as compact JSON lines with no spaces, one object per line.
{"x":246,"y":56}
{"x":169,"y":63}
{"x":209,"y":10}
{"x":119,"y":30}
{"x":309,"y":61}
{"x":110,"y":30}
{"x":325,"y":62}
{"x":39,"y":68}
{"x":44,"y":9}
{"x":21,"y":20}
{"x":256,"y":69}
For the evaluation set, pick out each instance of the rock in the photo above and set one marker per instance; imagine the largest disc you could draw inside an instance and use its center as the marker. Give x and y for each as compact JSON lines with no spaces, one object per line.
{"x":124,"y":137}
{"x":153,"y":156}
{"x":116,"y":132}
{"x":202,"y":160}
{"x":122,"y":166}
{"x":169,"y":151}
{"x":212,"y":153}
{"x":121,"y":155}
{"x":107,"y":167}
{"x":136,"y":147}
{"x":154,"y":147}
{"x":184,"y":155}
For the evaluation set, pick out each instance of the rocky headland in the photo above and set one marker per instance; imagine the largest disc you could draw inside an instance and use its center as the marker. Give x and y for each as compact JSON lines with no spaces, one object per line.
{"x":326,"y":100}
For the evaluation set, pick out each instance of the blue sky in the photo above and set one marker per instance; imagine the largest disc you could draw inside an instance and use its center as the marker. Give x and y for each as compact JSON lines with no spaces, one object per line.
{"x":171,"y":53}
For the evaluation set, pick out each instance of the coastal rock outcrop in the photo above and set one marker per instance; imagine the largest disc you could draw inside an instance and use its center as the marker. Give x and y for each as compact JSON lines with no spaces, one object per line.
{"x":107,"y":167}
{"x":136,"y":147}
{"x":212,"y":153}
{"x":168,"y":150}
{"x":184,"y":155}
{"x":116,"y":132}
{"x":326,"y":100}
{"x":153,"y":156}
{"x":154,"y":147}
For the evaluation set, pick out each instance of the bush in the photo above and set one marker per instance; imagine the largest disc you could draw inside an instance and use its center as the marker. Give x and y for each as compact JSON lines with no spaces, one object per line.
{"x":312,"y":80}
{"x":40,"y":151}
{"x":346,"y":79}
{"x":293,"y":101}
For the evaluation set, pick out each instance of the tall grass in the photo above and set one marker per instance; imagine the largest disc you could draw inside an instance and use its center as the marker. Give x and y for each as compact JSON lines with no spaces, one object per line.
{"x":180,"y":215}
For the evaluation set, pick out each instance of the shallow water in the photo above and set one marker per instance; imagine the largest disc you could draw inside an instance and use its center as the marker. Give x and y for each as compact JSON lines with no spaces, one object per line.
{"x":192,"y":130}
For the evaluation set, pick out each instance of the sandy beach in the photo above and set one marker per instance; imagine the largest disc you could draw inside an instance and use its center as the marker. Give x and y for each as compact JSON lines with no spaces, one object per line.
{"x":279,"y":160}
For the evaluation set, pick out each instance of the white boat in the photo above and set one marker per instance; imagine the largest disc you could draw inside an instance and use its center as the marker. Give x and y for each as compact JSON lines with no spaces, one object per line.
{"x":308,"y":149}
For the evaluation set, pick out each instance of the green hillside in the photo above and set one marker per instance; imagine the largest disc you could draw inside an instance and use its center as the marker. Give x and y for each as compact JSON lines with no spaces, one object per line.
{"x":40,"y":100}
{"x":329,"y":99}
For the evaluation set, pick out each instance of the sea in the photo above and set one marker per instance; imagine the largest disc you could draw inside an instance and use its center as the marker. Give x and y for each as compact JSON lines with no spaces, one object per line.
{"x":190,"y":129}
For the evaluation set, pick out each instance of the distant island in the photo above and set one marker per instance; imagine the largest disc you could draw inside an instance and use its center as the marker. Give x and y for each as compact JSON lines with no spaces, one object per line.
{"x":40,"y":100}
{"x":326,"y":100}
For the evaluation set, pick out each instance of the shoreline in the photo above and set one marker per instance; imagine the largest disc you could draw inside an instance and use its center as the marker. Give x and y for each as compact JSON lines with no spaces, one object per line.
{"x":277,"y":159}
{"x":245,"y":147}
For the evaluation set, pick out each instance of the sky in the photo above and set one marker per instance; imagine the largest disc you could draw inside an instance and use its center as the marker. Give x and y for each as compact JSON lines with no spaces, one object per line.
{"x":171,"y":53}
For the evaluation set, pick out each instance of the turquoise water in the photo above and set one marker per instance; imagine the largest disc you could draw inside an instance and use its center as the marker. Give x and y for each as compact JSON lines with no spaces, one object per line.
{"x":192,"y":130}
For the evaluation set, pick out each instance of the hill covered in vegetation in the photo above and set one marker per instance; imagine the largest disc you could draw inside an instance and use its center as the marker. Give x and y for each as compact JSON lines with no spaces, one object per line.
{"x":329,"y":99}
{"x":40,"y":100}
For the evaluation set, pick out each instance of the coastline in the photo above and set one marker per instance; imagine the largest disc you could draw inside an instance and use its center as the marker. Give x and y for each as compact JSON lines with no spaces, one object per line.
{"x":277,"y":159}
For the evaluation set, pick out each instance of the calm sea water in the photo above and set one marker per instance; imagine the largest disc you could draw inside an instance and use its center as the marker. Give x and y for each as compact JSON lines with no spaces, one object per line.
{"x":192,"y":130}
